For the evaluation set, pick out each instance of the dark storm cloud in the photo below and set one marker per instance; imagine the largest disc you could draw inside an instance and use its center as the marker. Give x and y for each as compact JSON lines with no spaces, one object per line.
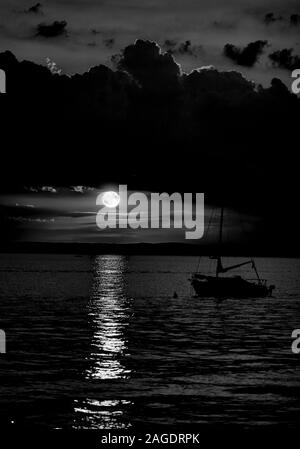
{"x":186,"y":48}
{"x":246,"y":56}
{"x":271,"y":18}
{"x":152,"y":69}
{"x":170,"y":44}
{"x":95,"y":32}
{"x":35,"y":9}
{"x":295,"y":19}
{"x":182,"y":48}
{"x":54,"y":29}
{"x":211,"y":23}
{"x":285,"y":59}
{"x":146,"y":112}
{"x":109,"y":42}
{"x":108,"y":95}
{"x":142,"y":67}
{"x":150,"y":124}
{"x":292,"y":20}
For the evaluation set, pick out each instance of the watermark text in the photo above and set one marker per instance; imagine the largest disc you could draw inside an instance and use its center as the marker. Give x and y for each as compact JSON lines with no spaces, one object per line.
{"x":296,"y":341}
{"x":2,"y":342}
{"x":2,"y":82}
{"x":139,"y":210}
{"x":296,"y":83}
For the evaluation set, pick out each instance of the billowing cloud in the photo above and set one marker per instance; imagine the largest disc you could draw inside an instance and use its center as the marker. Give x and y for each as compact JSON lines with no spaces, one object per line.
{"x":152,"y":69}
{"x":109,"y":42}
{"x":292,"y":20}
{"x":285,"y":59}
{"x":182,"y":48}
{"x":271,"y":18}
{"x":81,"y":189}
{"x":212,"y":24}
{"x":146,"y":107}
{"x":54,"y":29}
{"x":52,"y":66}
{"x":48,"y":189}
{"x":35,"y":9}
{"x":295,"y":19}
{"x":246,"y":56}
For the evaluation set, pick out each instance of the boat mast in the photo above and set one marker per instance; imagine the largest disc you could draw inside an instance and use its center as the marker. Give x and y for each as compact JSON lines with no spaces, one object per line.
{"x":255,"y":269}
{"x":219,"y":261}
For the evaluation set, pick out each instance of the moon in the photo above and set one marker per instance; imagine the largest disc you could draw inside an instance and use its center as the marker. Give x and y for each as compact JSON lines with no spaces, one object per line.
{"x":111,"y":199}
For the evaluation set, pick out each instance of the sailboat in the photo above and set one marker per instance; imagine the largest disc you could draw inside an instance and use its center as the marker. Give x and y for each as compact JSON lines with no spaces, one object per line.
{"x":219,"y":286}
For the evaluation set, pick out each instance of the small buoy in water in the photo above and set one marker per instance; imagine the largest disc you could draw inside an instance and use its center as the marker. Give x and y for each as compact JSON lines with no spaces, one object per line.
{"x":175,"y":295}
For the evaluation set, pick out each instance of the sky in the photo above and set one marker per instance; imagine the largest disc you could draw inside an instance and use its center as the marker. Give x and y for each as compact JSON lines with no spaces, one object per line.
{"x":68,"y":214}
{"x":90,"y":32}
{"x":249,"y":39}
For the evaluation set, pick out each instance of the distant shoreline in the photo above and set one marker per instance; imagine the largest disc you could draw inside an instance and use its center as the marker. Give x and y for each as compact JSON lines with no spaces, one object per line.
{"x":178,"y":249}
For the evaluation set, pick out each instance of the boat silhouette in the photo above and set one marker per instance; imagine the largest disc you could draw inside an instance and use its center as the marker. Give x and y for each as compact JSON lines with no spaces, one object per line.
{"x":219,"y":286}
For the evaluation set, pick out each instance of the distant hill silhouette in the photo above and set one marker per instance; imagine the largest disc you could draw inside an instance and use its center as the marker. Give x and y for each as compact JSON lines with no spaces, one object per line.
{"x":181,"y":249}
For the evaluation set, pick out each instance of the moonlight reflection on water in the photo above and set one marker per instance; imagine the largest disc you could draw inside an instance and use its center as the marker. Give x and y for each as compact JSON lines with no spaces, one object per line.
{"x":109,"y":311}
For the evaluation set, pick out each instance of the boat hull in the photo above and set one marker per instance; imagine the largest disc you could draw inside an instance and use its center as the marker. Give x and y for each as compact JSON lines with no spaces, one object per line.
{"x":232,"y":287}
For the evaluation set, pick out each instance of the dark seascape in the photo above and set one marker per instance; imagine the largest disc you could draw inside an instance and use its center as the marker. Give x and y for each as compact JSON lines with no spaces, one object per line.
{"x":99,"y":342}
{"x":148,"y":148}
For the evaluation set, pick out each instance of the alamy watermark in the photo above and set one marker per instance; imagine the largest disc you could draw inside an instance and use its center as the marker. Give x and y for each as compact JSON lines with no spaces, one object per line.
{"x":2,"y":342}
{"x":296,"y":83}
{"x":296,"y":341}
{"x":2,"y":82}
{"x":154,"y":210}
